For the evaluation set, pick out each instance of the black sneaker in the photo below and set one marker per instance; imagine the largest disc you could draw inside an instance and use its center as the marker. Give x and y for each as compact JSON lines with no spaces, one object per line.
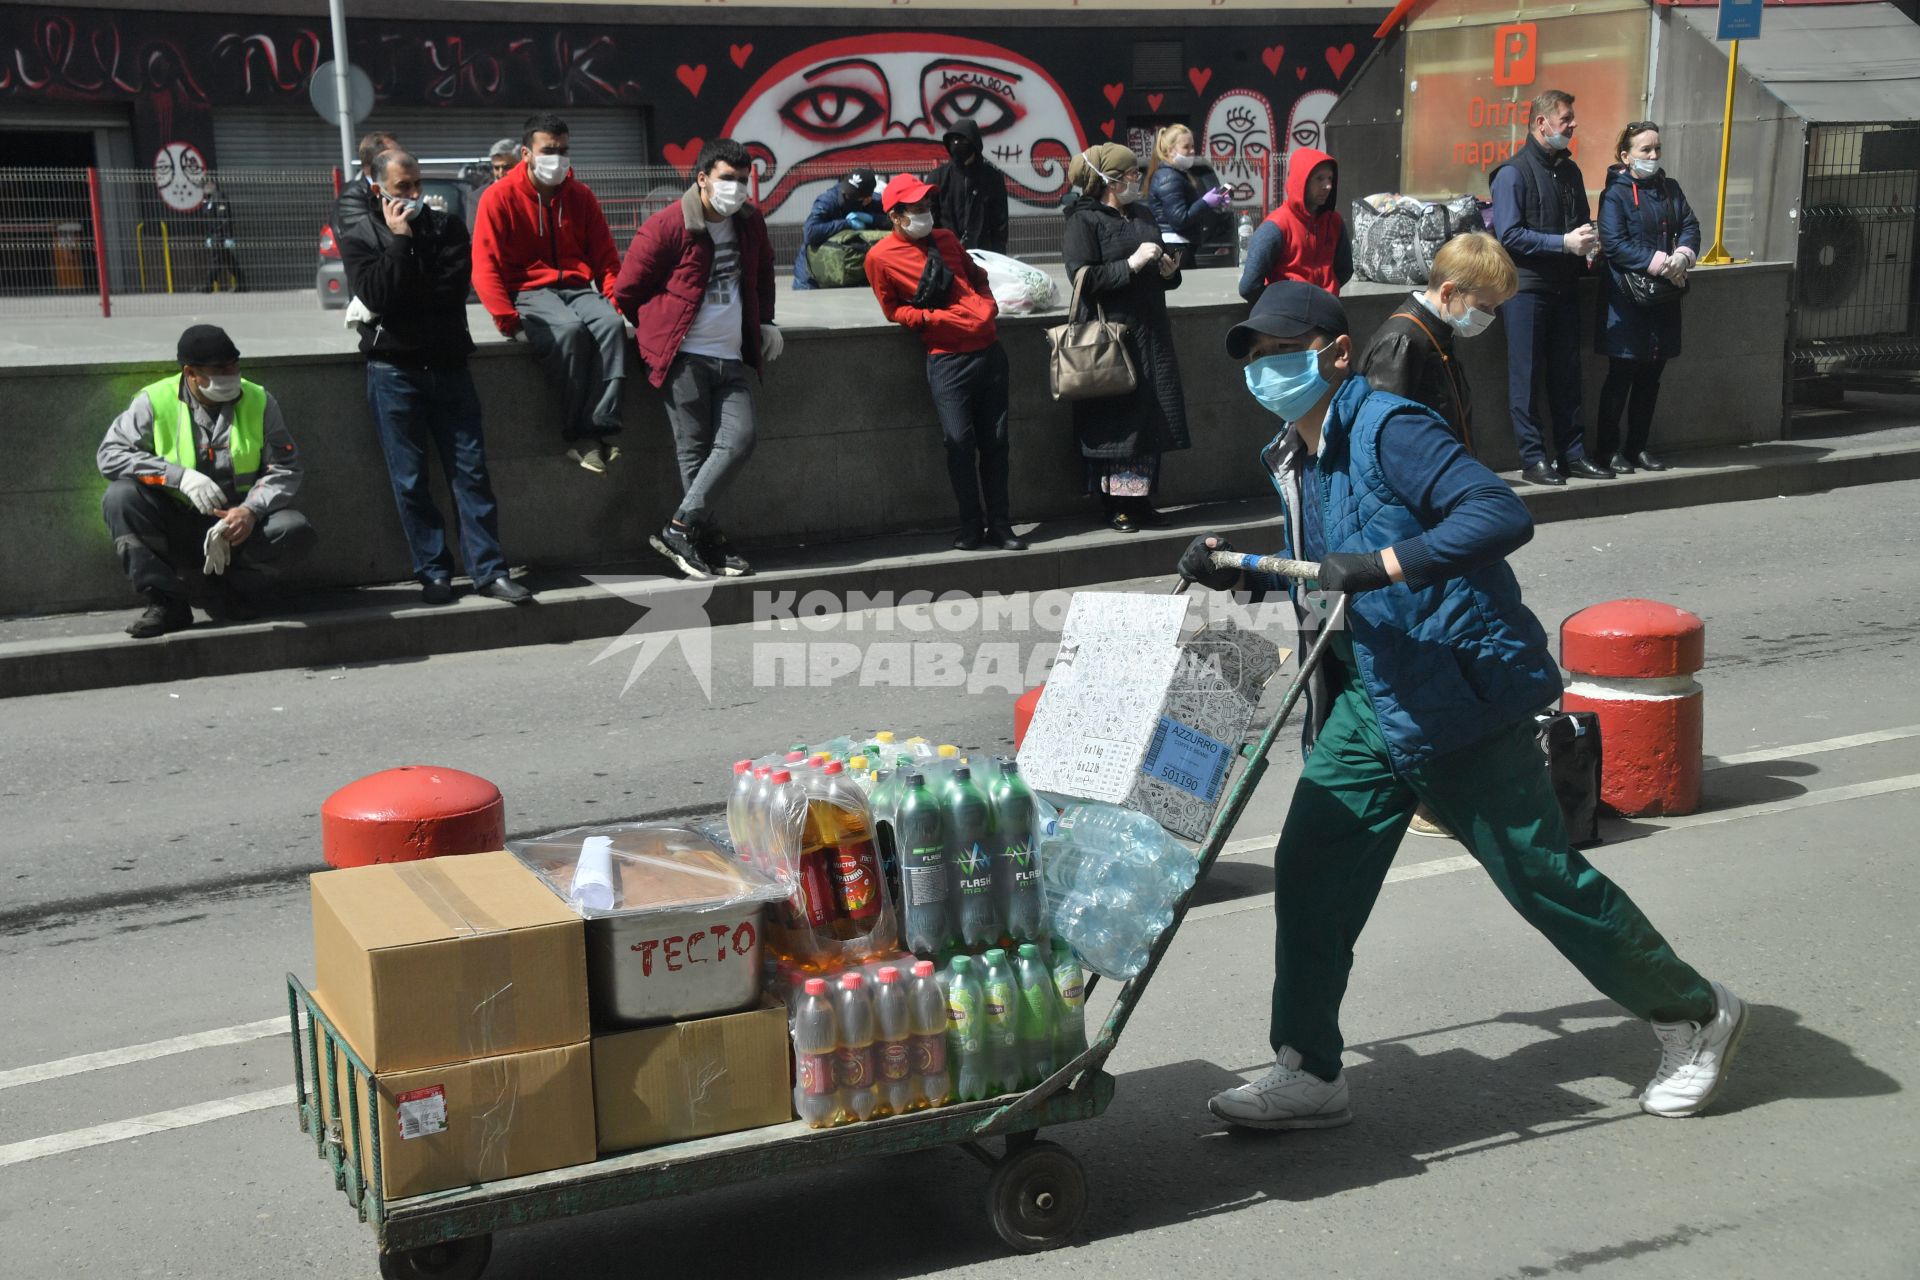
{"x":164,"y":613}
{"x":676,"y":544}
{"x":719,"y":554}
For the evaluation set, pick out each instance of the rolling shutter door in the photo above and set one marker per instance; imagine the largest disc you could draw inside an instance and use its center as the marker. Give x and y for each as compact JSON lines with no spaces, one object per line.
{"x":297,"y":138}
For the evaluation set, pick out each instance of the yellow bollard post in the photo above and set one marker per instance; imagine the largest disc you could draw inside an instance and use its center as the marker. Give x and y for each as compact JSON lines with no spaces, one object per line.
{"x":140,"y":252}
{"x":1718,"y":255}
{"x":166,"y":255}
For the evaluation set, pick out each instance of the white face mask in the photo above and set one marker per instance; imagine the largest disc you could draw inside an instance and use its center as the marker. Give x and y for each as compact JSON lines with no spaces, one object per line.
{"x":548,"y":170}
{"x":1472,"y":324}
{"x":1183,"y":163}
{"x":919,"y":226}
{"x":221,"y":387}
{"x":411,"y":207}
{"x":1128,"y":192}
{"x":726,"y":196}
{"x":1642,"y":167}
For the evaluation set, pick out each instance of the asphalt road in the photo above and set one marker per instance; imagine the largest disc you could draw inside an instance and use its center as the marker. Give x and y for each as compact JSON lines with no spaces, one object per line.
{"x":158,"y":836}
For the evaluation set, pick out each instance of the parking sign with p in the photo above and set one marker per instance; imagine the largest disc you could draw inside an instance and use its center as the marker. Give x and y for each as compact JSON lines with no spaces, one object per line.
{"x":1514,"y":48}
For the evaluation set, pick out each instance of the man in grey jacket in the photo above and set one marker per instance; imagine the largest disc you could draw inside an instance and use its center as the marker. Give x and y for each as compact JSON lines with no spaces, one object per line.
{"x":202,"y":479}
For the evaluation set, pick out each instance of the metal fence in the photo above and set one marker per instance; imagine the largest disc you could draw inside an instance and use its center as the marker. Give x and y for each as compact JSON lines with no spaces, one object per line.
{"x":1855,"y":269}
{"x":119,"y":242}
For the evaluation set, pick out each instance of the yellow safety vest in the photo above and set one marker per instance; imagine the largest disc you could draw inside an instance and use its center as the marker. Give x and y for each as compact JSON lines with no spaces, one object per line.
{"x":173,"y":429}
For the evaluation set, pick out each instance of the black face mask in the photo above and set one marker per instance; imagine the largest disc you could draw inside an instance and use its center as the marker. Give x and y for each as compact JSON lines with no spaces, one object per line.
{"x":962,"y":152}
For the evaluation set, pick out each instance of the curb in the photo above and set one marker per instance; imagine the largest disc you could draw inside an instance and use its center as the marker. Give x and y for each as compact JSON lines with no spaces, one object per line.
{"x":583,"y":611}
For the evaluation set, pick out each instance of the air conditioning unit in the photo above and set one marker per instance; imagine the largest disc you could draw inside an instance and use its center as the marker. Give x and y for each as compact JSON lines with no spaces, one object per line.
{"x":1854,"y":277}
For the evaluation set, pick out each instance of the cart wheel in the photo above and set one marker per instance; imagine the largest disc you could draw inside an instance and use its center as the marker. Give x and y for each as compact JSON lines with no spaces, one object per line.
{"x":454,"y":1260}
{"x":1037,"y":1196}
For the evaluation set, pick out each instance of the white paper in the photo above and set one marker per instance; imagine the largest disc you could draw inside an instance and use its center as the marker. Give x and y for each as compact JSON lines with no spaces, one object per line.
{"x":592,"y":888}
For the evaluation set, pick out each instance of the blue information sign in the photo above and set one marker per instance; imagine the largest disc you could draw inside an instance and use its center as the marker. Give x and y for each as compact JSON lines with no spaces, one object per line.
{"x":1739,"y":20}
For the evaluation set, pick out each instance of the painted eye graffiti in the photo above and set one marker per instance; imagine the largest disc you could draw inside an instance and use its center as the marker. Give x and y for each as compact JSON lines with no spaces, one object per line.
{"x":828,"y":111}
{"x":1223,"y":145}
{"x":1306,"y":134}
{"x":1254,"y":149}
{"x":988,"y":111}
{"x":1241,"y":119}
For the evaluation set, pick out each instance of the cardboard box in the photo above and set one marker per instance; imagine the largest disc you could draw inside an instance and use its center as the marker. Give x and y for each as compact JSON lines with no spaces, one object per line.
{"x":469,"y":1122}
{"x":447,"y":960}
{"x":692,"y":1079}
{"x":1133,"y":716}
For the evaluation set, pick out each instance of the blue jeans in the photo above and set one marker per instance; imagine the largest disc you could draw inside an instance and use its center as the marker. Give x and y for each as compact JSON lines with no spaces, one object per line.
{"x":413,"y":408}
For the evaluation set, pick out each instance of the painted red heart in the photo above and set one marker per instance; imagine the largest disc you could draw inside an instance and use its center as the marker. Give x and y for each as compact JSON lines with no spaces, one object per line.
{"x":681,"y":155}
{"x":1339,"y":59}
{"x":740,"y":52}
{"x":1300,"y":72}
{"x":1273,"y":56}
{"x":1154,"y":100}
{"x":692,"y":77}
{"x":1106,"y":127}
{"x":1198,"y":77}
{"x":1113,"y":92}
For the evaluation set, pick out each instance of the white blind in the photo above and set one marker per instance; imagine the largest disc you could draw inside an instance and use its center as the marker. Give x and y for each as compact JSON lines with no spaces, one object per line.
{"x":289,"y":138}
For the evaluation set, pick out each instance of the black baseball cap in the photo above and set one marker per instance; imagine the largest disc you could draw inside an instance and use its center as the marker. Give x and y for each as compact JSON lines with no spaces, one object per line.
{"x":206,"y":344}
{"x":860,"y":182}
{"x":1288,"y":309}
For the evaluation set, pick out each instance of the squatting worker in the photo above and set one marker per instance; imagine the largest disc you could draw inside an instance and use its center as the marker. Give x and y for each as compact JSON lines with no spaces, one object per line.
{"x":202,"y":479}
{"x":926,"y":283}
{"x":1428,"y":695}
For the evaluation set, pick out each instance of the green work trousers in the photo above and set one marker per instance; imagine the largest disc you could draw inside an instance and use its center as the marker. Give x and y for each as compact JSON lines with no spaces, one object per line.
{"x":1348,"y":815}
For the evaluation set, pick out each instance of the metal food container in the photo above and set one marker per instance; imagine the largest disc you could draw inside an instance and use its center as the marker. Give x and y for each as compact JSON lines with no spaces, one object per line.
{"x":682,"y":939}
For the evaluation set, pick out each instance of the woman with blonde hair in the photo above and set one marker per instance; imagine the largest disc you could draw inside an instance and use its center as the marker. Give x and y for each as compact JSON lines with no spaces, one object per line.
{"x":1187,"y":200}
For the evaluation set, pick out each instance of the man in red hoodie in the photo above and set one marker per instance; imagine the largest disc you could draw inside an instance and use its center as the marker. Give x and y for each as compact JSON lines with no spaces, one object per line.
{"x":928,"y":285}
{"x":1305,"y":238}
{"x":544,"y":262}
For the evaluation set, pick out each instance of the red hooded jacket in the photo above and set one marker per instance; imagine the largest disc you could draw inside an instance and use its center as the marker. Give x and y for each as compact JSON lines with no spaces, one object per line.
{"x":1310,"y":242}
{"x":524,"y":241}
{"x":965,"y":323}
{"x":664,"y":280}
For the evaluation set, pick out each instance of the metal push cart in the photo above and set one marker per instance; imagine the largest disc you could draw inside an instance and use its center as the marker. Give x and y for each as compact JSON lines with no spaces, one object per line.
{"x":1036,"y":1192}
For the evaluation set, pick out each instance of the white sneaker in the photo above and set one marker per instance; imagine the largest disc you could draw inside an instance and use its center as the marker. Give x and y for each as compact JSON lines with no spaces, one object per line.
{"x":1285,"y":1098}
{"x":1694,"y":1058}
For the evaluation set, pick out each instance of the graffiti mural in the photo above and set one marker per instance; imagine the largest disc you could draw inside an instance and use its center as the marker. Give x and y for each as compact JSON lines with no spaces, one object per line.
{"x":1240,"y":146}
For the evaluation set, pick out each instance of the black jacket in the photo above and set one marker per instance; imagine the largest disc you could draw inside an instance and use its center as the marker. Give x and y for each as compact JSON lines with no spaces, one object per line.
{"x":353,"y":207}
{"x":1415,"y":359}
{"x":416,"y":285}
{"x":972,"y":202}
{"x":1539,"y":196}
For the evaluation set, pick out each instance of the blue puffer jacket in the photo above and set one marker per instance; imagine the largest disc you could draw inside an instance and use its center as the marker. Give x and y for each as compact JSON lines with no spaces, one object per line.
{"x":827,"y":217}
{"x":1174,"y":198}
{"x":1445,"y":665}
{"x":1637,"y":218}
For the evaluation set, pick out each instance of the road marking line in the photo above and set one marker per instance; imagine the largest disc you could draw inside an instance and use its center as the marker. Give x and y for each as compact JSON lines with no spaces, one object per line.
{"x":100,"y":1061}
{"x":1767,"y":754}
{"x":1812,"y":799}
{"x":141,"y":1126}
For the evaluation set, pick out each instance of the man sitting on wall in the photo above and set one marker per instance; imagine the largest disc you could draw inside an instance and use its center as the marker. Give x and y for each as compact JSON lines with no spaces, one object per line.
{"x":852,"y":204}
{"x":203,"y":475}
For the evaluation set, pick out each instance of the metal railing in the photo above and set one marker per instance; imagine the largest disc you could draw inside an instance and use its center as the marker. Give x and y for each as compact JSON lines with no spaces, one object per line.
{"x":116,"y":242}
{"x":1855,"y":280}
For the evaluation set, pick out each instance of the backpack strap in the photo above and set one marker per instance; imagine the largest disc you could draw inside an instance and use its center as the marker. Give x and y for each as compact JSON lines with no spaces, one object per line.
{"x":1453,"y":374}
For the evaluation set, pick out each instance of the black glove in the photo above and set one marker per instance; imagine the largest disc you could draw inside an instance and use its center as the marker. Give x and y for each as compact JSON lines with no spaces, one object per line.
{"x":1353,"y":572}
{"x":1196,"y":564}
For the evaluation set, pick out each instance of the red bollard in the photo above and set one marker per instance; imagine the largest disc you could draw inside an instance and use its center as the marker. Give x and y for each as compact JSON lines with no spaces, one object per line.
{"x":413,"y":812}
{"x":1023,"y":713}
{"x":1632,"y":664}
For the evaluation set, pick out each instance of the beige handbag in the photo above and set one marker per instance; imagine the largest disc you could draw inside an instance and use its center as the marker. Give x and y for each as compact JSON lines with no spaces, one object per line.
{"x":1090,"y":359}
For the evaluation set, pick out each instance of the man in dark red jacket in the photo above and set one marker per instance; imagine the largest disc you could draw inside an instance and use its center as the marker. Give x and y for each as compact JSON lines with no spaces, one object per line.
{"x":928,"y":285}
{"x":541,"y":249}
{"x":698,"y":285}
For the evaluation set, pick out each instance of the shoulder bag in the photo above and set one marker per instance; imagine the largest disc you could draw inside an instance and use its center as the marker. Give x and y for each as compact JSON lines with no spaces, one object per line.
{"x":1643,"y":290}
{"x":1089,"y":359}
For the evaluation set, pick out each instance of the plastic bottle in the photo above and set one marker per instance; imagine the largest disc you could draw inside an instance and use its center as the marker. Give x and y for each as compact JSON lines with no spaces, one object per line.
{"x":969,"y":826}
{"x":967,"y":1031}
{"x":816,"y":1037}
{"x":740,"y":814}
{"x":1070,"y":1014}
{"x":883,"y":798}
{"x":1002,"y":992}
{"x":856,"y":1059}
{"x":796,"y":837}
{"x":1244,"y":234}
{"x":894,"y":1023}
{"x":1037,"y":1016}
{"x":1016,"y":865}
{"x":757,"y":819}
{"x":927,"y":1013}
{"x":925,"y":888}
{"x":840,"y":812}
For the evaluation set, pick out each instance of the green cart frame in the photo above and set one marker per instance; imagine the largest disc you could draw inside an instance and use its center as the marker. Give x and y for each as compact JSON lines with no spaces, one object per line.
{"x":1036,"y":1192}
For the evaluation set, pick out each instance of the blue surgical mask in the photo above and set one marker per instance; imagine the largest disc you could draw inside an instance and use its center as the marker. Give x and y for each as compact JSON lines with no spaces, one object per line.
{"x":1287,"y":385}
{"x":1557,"y":141}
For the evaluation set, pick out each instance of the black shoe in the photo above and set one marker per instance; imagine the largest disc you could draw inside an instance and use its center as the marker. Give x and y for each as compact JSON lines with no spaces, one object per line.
{"x":1003,"y":537}
{"x":1647,"y":462}
{"x":1583,"y":469}
{"x":1620,"y":464}
{"x":675,"y":542}
{"x":224,"y":604}
{"x":1123,"y":522}
{"x":164,"y":613}
{"x":720,"y":555}
{"x":505,"y":588}
{"x":967,"y":538}
{"x":436,"y":591}
{"x":1542,"y":473}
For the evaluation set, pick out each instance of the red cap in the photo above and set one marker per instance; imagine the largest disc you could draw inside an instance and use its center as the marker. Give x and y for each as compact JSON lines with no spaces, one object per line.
{"x":762,"y":771}
{"x":852,"y":981}
{"x":904,"y":188}
{"x":781,"y":777}
{"x":795,"y":757}
{"x":923,"y":968}
{"x":741,"y":766}
{"x":816,"y":986}
{"x":834,"y":766}
{"x":889,"y":974}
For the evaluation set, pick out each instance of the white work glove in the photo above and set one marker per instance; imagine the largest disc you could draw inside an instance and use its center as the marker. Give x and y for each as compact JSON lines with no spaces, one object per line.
{"x":1583,"y":241}
{"x":358,"y":313}
{"x":1145,"y":254}
{"x":219,"y":551}
{"x":202,"y":491}
{"x":772,"y":343}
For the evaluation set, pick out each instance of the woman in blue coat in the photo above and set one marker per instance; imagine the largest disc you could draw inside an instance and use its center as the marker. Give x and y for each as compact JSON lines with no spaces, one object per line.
{"x":1185,"y":196}
{"x":1646,"y":229}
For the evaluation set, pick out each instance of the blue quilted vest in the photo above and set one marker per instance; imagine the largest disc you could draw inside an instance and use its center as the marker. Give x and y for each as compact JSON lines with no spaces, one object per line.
{"x":1444,"y":665}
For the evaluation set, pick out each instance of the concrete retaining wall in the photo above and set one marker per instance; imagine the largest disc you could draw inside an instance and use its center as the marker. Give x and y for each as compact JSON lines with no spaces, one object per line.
{"x":847,"y":441}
